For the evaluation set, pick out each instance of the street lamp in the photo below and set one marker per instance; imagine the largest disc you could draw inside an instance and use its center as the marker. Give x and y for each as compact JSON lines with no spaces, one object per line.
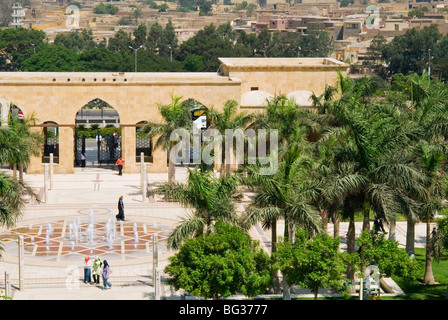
{"x":34,"y":48}
{"x":171,"y":53}
{"x":429,"y":64}
{"x":135,"y":52}
{"x":298,"y":52}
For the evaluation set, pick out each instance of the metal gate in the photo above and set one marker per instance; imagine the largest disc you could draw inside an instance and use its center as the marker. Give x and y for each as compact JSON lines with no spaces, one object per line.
{"x":80,"y":148}
{"x":109,"y":149}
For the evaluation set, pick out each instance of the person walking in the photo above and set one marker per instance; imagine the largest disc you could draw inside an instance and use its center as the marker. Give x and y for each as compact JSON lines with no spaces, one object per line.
{"x":120,"y":215}
{"x":96,"y":270}
{"x":83,"y":160}
{"x":87,"y":264}
{"x":105,"y":274}
{"x":119,"y":163}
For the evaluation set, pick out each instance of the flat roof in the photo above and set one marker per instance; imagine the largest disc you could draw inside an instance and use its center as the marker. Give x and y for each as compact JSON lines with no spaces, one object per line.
{"x":110,"y":78}
{"x":281,"y":62}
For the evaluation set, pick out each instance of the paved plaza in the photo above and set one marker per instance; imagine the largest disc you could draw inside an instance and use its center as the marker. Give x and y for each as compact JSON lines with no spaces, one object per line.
{"x":53,"y":263}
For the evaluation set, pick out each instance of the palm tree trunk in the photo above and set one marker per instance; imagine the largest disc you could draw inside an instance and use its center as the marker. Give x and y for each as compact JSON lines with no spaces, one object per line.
{"x":392,"y":227}
{"x":276,"y":278}
{"x":286,"y":290}
{"x":410,"y":235}
{"x":325,"y":220}
{"x":366,"y":219}
{"x":336,"y":224}
{"x":171,"y":165}
{"x":21,"y":166}
{"x":429,"y":277}
{"x":14,"y":171}
{"x":274,"y":236}
{"x":351,"y":244}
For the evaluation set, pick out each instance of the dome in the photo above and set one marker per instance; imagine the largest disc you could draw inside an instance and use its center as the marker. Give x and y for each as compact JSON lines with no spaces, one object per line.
{"x":255,"y":98}
{"x":301,"y":97}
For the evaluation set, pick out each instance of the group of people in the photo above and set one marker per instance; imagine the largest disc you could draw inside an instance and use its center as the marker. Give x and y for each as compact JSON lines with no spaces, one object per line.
{"x":96,"y":268}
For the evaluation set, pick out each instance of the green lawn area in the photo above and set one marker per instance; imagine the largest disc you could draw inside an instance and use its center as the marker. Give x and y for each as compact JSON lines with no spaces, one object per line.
{"x":416,"y":291}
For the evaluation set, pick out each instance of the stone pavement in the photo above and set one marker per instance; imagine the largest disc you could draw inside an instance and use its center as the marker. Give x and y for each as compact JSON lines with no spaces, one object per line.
{"x":50,"y":277}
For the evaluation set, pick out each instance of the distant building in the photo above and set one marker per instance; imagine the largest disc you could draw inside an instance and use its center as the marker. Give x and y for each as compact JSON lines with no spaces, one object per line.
{"x":17,"y":16}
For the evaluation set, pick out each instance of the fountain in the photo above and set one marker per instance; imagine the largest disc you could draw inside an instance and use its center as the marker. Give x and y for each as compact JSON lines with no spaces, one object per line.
{"x":89,"y":233}
{"x":110,"y":242}
{"x":114,"y":226}
{"x":91,"y":218}
{"x":47,"y":237}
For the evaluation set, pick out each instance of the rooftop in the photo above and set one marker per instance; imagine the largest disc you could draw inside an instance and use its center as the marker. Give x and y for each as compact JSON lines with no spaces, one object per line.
{"x":281,"y":62}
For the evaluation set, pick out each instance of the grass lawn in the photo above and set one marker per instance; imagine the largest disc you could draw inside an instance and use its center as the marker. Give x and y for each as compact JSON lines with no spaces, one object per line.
{"x":416,"y":291}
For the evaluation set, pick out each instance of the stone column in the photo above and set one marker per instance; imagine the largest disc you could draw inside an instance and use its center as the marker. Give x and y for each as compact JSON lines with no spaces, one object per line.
{"x":128,"y":143}
{"x":66,"y":150}
{"x":4,"y":105}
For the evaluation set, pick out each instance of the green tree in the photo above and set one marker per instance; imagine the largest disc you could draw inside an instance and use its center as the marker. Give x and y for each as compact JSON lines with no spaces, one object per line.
{"x":103,"y":8}
{"x":100,"y":60}
{"x":316,"y":43}
{"x":263,"y":42}
{"x":194,"y":63}
{"x":140,"y":35}
{"x":73,"y":41}
{"x":371,"y":165}
{"x":210,"y":198}
{"x":120,"y":42}
{"x":284,"y":45}
{"x":154,"y":37}
{"x":312,"y":263}
{"x":211,"y":44}
{"x":168,"y":41}
{"x":218,"y":265}
{"x":373,"y":59}
{"x":136,"y":14}
{"x":52,"y":58}
{"x":230,"y":119}
{"x":439,"y":241}
{"x":176,"y":116}
{"x":18,"y":45}
{"x":391,"y":260}
{"x":409,"y":53}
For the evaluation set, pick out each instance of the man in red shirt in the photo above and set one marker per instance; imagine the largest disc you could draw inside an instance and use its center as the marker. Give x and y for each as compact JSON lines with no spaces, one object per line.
{"x":119,"y":163}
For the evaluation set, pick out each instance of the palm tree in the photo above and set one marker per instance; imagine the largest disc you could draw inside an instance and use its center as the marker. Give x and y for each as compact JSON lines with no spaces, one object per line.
{"x":18,"y":143}
{"x":176,"y":116}
{"x":30,"y":143}
{"x":231,"y":119}
{"x":209,"y":199}
{"x":424,"y":107}
{"x":432,"y":159}
{"x":372,"y":170}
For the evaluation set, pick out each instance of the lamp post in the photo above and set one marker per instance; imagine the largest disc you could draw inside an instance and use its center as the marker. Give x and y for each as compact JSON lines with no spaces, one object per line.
{"x":298,"y":52}
{"x":34,"y":48}
{"x":135,"y":52}
{"x":171,"y":53}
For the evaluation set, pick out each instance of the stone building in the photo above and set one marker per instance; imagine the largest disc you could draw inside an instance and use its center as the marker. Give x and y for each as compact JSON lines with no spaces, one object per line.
{"x":55,"y":99}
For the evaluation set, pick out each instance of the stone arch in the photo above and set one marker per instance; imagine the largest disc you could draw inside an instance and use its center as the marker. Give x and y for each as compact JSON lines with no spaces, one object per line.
{"x":97,"y":133}
{"x":51,"y":141}
{"x":301,"y":97}
{"x":142,"y":144}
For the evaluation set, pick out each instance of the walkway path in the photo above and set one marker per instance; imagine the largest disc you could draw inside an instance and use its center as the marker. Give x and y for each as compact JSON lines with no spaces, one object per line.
{"x":98,"y":189}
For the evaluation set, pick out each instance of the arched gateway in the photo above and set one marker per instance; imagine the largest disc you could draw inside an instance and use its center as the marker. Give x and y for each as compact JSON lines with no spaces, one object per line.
{"x":56,"y":98}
